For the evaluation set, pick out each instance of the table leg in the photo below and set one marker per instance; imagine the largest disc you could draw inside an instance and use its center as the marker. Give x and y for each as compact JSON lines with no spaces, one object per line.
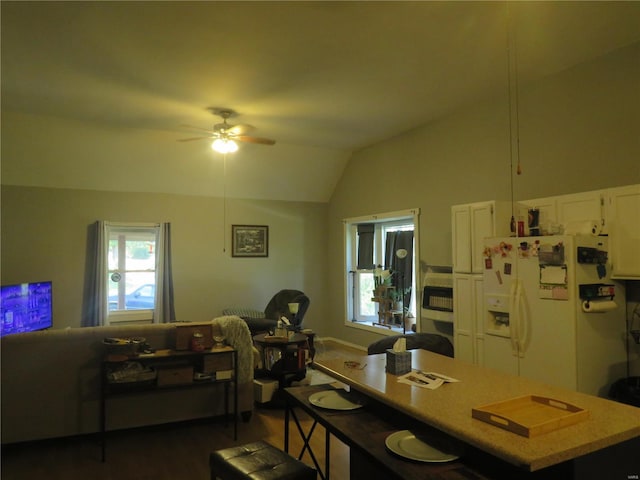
{"x":103,"y":414}
{"x":327,"y":452}
{"x":286,"y":425}
{"x":235,"y":395}
{"x":103,"y":425}
{"x":226,"y":404}
{"x":307,"y":446}
{"x":310,"y":345}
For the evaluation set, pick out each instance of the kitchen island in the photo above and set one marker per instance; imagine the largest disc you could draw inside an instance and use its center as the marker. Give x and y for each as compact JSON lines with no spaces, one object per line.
{"x":449,"y":409}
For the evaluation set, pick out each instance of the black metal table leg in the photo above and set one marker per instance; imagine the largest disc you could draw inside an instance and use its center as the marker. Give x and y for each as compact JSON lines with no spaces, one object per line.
{"x":289,"y":411}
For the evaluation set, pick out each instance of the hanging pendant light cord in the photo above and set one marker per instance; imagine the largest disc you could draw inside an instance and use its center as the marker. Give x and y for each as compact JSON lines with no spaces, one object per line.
{"x":512,"y":44}
{"x":224,"y":202}
{"x":510,"y":111}
{"x":515,"y":81}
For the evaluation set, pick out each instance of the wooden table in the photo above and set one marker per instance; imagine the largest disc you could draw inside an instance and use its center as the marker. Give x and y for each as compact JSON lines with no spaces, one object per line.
{"x":365,"y":430}
{"x":448,"y":409}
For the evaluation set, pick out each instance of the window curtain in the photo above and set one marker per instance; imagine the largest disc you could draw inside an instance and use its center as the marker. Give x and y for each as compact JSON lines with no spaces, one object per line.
{"x":403,"y":267}
{"x":165,"y":309}
{"x":365,"y":246}
{"x":95,"y":302}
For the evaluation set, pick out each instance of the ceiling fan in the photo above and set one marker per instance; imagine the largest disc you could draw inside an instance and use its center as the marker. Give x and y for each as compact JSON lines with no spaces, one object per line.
{"x":225,"y":135}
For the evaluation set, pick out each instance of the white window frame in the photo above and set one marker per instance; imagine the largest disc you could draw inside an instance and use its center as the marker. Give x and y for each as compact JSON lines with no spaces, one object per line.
{"x":115,"y":317}
{"x":350,"y":260}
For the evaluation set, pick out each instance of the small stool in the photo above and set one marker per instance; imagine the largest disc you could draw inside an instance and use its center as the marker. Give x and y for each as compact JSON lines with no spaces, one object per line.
{"x":257,"y":461}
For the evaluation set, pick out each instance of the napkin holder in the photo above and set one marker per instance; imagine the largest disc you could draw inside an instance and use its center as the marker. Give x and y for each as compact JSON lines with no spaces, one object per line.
{"x":398,"y":363}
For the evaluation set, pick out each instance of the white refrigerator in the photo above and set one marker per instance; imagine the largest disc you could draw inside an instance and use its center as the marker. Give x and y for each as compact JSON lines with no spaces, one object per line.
{"x":536,"y":324}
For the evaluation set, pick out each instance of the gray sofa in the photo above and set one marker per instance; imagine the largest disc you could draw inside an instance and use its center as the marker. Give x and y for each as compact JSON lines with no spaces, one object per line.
{"x":50,"y":384}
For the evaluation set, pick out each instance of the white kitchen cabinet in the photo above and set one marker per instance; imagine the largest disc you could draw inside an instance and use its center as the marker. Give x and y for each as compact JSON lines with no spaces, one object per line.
{"x":461,"y":236}
{"x":478,"y":333}
{"x":470,"y":224}
{"x":463,"y":322}
{"x":582,"y":207}
{"x":570,"y":211}
{"x":547,"y":212}
{"x":468,"y":329}
{"x":623,"y":213}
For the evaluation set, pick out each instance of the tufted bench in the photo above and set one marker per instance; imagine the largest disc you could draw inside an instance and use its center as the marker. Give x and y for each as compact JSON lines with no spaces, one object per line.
{"x":257,"y":461}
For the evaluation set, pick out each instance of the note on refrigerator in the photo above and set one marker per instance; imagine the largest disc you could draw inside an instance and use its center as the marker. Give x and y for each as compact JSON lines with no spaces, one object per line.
{"x":553,"y":282}
{"x":554,"y":275}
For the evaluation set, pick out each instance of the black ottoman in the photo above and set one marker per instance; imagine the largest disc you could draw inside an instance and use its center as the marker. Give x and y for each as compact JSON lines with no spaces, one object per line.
{"x":257,"y":461}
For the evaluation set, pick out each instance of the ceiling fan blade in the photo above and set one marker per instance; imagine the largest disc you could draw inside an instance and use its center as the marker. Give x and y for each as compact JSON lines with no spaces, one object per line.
{"x":208,"y":130}
{"x":241,"y":129}
{"x":194,"y":138}
{"x":261,"y":141}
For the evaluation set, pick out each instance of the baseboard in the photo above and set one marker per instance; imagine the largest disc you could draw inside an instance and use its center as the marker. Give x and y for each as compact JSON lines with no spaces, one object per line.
{"x":342,"y":342}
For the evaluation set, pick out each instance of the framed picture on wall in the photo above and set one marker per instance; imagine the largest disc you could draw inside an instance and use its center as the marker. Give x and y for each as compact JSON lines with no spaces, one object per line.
{"x":249,"y":241}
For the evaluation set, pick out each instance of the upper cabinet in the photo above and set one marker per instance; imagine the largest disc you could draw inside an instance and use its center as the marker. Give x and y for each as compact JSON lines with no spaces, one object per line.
{"x":579,"y":208}
{"x":573,"y":213}
{"x":623,"y":217}
{"x":614,"y":212}
{"x":547,"y":212}
{"x":470,"y":224}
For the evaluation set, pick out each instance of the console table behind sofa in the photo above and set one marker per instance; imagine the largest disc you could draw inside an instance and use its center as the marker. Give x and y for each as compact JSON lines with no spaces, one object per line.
{"x":51,"y":385}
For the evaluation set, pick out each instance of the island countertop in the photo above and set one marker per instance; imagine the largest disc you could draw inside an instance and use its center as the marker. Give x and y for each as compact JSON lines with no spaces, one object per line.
{"x":448,"y":408}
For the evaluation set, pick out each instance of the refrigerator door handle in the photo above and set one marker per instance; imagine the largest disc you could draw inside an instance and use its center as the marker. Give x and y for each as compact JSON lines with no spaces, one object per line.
{"x":513,"y":317}
{"x":522,"y":321}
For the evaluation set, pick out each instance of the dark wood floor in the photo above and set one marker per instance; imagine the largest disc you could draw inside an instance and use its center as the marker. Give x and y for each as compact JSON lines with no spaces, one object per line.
{"x":177,"y":451}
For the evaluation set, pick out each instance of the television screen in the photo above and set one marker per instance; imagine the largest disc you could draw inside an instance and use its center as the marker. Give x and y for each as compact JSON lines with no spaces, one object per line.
{"x":26,"y":307}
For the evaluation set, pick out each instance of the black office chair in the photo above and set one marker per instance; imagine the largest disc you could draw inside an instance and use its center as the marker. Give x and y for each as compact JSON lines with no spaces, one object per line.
{"x":426,"y":341}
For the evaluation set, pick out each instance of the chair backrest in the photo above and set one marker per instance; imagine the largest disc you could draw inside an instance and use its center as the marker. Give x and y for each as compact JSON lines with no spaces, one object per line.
{"x":278,"y":306}
{"x":426,"y":341}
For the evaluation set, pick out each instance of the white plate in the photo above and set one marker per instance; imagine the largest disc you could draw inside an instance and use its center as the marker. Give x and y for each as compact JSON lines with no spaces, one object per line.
{"x":333,"y":400}
{"x":407,"y":445}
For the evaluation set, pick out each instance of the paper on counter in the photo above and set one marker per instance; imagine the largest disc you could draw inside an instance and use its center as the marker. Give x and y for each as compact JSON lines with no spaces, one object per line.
{"x":446,"y":378}
{"x":430,"y":380}
{"x":417,"y":380}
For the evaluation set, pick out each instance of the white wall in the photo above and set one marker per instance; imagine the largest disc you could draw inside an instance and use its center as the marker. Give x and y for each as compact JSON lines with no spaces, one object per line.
{"x":44,"y":237}
{"x":580,"y":131}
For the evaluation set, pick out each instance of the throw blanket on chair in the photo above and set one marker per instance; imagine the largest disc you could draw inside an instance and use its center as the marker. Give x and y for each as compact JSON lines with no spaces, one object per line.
{"x":237,"y":335}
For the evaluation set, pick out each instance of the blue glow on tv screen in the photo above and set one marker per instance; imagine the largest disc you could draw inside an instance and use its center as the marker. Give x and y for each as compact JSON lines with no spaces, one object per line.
{"x":26,"y":307}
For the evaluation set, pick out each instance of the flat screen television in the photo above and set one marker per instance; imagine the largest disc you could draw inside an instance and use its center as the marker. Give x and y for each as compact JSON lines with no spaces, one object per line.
{"x":25,"y":307}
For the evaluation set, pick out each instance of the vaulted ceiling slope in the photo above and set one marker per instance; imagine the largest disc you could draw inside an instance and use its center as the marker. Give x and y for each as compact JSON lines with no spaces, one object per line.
{"x":95,"y":88}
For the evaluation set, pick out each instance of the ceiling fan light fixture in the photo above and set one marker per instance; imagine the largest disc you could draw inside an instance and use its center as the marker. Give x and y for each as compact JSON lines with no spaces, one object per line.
{"x":224,"y":145}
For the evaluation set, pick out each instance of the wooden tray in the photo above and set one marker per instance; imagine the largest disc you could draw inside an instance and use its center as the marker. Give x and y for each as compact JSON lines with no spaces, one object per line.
{"x":530,"y":415}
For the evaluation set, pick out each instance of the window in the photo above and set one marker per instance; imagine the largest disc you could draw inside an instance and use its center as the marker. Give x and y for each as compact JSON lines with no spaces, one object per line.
{"x":130,"y":277}
{"x":131,"y":272}
{"x":371,"y":244}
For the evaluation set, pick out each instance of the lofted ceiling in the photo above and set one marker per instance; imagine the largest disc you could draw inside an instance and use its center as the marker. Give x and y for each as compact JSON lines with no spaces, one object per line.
{"x":324,"y":79}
